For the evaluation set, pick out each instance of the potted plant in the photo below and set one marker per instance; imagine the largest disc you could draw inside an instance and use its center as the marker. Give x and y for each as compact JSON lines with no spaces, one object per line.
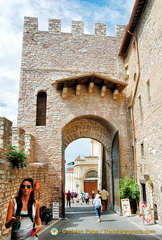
{"x":16,"y":157}
{"x":129,"y":189}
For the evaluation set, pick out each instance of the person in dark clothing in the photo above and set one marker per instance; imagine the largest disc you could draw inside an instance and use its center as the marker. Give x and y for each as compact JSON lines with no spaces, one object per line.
{"x":92,"y":196}
{"x":68,"y":198}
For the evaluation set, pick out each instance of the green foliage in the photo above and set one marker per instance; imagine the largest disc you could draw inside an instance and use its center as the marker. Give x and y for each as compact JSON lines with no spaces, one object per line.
{"x":16,"y":157}
{"x":129,"y":189}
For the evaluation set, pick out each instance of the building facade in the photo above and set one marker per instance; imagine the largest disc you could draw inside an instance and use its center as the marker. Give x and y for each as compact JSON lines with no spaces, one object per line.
{"x":143,"y":60}
{"x":72,"y":86}
{"x":85,"y":175}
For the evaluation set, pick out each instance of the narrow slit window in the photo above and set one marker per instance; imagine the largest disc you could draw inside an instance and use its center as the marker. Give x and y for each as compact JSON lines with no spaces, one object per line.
{"x":142,"y":150}
{"x":41,"y":109}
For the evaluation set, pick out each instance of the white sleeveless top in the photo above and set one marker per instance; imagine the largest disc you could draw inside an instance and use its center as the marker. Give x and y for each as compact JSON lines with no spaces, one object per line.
{"x":26,"y":225}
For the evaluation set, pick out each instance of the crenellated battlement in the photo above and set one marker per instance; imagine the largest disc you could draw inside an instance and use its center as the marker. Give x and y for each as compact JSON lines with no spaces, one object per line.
{"x":54,"y":26}
{"x":15,"y":136}
{"x":30,"y":24}
{"x":77,"y":27}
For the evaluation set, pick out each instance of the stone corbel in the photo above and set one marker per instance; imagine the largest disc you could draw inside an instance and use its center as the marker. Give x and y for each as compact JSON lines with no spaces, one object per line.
{"x":103,"y":90}
{"x":78,"y":89}
{"x":91,"y":85}
{"x":65,"y":91}
{"x":115,"y":94}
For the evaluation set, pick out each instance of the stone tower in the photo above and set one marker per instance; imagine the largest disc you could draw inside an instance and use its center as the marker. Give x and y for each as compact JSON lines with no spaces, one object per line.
{"x":72,"y":86}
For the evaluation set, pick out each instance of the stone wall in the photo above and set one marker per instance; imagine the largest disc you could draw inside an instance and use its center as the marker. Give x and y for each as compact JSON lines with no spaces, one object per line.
{"x":5,"y":135}
{"x":147,"y":106}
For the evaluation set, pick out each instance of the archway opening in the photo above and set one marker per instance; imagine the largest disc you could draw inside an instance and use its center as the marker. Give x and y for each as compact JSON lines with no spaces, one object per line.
{"x":82,"y":165}
{"x":103,"y":132}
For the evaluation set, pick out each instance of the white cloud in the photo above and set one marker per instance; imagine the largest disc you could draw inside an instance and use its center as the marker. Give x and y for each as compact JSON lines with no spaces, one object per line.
{"x":78,"y":147}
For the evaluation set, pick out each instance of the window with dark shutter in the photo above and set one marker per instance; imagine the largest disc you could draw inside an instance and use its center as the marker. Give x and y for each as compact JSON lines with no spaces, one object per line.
{"x":41,"y":109}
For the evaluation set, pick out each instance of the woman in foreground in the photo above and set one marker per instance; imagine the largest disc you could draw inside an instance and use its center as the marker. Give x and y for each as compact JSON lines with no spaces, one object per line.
{"x":24,"y":213}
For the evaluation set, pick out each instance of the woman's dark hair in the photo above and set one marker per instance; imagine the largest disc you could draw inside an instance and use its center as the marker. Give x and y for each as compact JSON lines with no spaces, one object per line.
{"x":31,"y":199}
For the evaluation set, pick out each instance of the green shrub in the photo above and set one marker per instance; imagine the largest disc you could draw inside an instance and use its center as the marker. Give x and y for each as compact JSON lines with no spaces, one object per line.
{"x":129,"y":189}
{"x":16,"y":157}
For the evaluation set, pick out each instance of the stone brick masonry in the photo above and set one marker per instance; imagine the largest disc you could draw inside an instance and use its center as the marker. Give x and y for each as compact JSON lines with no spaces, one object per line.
{"x":49,"y":56}
{"x":147,"y":105}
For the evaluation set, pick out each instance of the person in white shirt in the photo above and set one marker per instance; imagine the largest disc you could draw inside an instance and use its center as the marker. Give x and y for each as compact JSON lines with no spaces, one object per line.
{"x":97,"y":204}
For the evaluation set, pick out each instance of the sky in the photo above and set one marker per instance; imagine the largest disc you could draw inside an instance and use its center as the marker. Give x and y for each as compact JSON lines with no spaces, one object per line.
{"x":80,"y":147}
{"x":12,"y":14}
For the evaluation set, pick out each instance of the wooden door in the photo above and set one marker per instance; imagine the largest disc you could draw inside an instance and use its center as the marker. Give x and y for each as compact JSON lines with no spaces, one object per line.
{"x":90,"y":186}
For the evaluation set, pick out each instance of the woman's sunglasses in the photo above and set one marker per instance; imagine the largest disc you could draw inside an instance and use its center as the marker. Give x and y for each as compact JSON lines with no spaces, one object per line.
{"x":28,"y":186}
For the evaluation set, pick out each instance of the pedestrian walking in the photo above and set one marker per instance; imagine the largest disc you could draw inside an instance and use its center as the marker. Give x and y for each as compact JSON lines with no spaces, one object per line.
{"x":83,"y":196}
{"x":72,"y":197}
{"x":68,"y":198}
{"x":92,"y":196}
{"x":97,"y":204}
{"x":75,"y":197}
{"x":104,"y":197}
{"x":80,"y":196}
{"x":87,"y":198}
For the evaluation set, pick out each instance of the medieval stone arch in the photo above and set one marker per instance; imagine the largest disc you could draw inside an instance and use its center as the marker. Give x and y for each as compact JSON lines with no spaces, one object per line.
{"x":98,"y":128}
{"x":89,"y":126}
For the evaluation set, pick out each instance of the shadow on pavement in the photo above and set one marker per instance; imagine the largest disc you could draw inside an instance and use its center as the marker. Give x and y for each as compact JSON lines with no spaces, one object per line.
{"x":80,"y":223}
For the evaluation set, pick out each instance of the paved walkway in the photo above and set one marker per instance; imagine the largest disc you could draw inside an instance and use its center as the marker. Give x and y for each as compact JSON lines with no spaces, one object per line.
{"x":113,"y":226}
{"x":81,"y":218}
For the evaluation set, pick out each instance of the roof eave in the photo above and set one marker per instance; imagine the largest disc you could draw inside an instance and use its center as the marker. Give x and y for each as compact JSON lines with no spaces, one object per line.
{"x":135,"y":16}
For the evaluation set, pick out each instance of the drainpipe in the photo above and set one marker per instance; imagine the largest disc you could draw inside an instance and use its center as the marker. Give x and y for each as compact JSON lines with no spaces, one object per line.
{"x":133,"y":100}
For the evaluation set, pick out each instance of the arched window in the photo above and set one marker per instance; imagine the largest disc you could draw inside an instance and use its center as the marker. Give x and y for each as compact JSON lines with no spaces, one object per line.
{"x":41,"y":109}
{"x":91,"y":174}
